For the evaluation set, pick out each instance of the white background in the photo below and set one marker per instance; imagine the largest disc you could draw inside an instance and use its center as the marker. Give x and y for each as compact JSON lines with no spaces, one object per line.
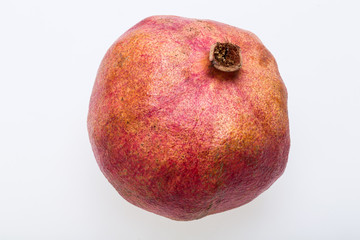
{"x":50,"y":184}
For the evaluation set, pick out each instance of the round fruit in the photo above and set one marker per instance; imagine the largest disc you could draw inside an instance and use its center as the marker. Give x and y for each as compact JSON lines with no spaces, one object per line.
{"x":189,"y":117}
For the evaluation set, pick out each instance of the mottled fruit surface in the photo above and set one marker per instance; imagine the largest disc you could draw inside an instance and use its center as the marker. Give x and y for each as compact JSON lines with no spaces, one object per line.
{"x":178,"y":137}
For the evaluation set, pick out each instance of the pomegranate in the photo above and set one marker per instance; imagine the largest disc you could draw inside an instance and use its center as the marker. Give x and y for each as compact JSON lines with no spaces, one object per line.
{"x":189,"y":117}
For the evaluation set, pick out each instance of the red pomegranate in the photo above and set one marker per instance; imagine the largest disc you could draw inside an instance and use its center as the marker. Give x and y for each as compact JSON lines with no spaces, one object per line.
{"x":189,"y":117}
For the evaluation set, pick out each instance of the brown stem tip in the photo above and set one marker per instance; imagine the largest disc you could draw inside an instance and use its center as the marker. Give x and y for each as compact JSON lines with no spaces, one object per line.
{"x":225,"y":57}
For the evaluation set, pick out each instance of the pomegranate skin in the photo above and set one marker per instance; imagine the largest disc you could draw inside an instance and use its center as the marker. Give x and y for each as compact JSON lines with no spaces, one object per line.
{"x":179,"y":138}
